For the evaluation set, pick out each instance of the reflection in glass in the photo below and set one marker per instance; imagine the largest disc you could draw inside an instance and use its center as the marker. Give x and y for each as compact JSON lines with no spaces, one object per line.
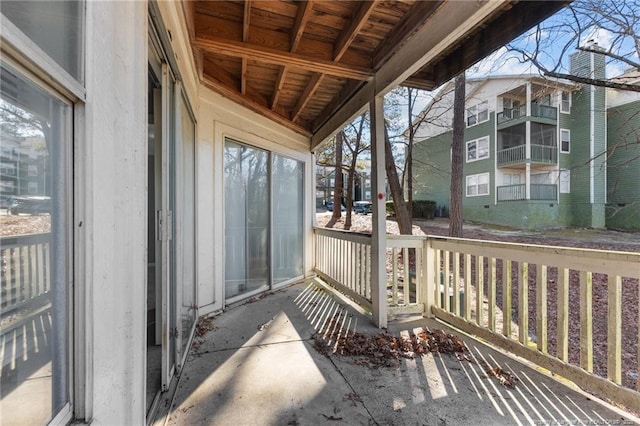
{"x":287,"y":184}
{"x":34,"y":319}
{"x":55,"y":26}
{"x":246,"y":218}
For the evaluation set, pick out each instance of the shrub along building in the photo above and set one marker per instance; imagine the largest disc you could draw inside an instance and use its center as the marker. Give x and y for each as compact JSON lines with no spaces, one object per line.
{"x":539,"y":153}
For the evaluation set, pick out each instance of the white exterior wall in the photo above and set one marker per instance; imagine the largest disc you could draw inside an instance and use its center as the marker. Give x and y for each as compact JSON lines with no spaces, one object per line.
{"x":218,"y":118}
{"x":111,"y":161}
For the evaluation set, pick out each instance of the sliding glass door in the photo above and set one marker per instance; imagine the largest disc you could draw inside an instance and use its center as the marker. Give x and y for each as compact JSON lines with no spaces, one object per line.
{"x":263,"y":219}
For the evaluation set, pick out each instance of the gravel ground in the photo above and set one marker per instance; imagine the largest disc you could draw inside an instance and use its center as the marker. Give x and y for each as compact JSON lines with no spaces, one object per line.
{"x":577,"y":238}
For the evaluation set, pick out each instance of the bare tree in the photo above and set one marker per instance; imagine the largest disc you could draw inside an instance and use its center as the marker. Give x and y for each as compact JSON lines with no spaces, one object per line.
{"x":397,"y":193}
{"x":457,"y":157}
{"x":354,"y":143}
{"x":338,"y":187}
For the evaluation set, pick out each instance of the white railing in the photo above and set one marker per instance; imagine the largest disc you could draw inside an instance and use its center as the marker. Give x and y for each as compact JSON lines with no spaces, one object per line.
{"x":343,"y":259}
{"x":503,"y":293}
{"x":25,"y":271}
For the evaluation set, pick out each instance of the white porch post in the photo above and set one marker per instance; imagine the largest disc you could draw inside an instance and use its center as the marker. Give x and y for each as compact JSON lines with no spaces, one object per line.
{"x":378,"y":226}
{"x":527,"y":139}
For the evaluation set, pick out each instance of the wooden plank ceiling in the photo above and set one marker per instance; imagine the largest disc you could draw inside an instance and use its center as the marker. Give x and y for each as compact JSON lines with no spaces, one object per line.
{"x":298,"y":62}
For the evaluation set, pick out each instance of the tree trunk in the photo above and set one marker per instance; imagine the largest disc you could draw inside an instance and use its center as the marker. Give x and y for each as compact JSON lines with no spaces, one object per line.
{"x":402,"y":214}
{"x":457,"y":158}
{"x":337,"y":187}
{"x":409,"y":152}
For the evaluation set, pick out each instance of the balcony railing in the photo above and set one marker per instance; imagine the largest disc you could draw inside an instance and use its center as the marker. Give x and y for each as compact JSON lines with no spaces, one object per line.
{"x":516,"y":154}
{"x":539,"y":111}
{"x":512,"y":192}
{"x":545,"y":154}
{"x":24,"y":278}
{"x":543,"y":191}
{"x":489,"y":285}
{"x":537,"y":191}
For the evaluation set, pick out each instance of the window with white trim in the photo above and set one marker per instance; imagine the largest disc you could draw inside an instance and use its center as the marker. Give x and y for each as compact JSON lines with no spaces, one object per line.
{"x":565,"y":102}
{"x":478,"y":185}
{"x":477,"y":114}
{"x":565,"y":181}
{"x":565,"y":140}
{"x":478,"y":149}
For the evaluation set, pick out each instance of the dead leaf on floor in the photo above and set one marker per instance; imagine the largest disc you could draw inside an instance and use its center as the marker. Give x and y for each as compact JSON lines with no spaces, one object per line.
{"x":504,"y":377}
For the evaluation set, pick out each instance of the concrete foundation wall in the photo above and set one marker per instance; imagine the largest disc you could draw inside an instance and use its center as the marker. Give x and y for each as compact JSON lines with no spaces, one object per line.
{"x":516,"y":214}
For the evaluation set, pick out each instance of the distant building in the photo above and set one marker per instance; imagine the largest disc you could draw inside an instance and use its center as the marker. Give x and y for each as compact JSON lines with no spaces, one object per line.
{"x":539,"y":153}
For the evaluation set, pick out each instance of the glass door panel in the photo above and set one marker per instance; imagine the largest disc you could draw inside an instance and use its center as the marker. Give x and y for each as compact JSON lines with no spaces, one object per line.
{"x":246,"y":219}
{"x":287,"y":184}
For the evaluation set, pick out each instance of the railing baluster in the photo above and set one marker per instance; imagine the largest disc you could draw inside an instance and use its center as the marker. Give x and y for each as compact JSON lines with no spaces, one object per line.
{"x":479,"y":289}
{"x":614,"y":335}
{"x":563,"y":314}
{"x":523,"y":304}
{"x":405,"y":276}
{"x":394,"y":276}
{"x":456,"y":283}
{"x":467,"y":287}
{"x":491,"y":294}
{"x":445,"y":292}
{"x":541,"y":307}
{"x":438,"y":277}
{"x":419,"y":276}
{"x":586,"y":323}
{"x":506,"y":297}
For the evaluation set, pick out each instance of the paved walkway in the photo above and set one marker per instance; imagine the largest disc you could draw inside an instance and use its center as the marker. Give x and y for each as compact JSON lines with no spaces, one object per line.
{"x":258,"y":365}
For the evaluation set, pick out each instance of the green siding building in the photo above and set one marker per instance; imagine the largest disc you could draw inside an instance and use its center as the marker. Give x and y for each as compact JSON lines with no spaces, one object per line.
{"x":539,"y":153}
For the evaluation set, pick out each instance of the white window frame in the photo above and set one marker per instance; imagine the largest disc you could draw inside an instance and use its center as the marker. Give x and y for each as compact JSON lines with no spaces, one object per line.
{"x":568,"y":133}
{"x":484,"y":139}
{"x":56,"y":81}
{"x":474,"y":111}
{"x":473,"y":183}
{"x":568,"y":102}
{"x":564,"y":182}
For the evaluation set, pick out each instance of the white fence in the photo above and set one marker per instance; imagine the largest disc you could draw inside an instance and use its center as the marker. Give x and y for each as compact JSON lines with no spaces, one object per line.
{"x":542,"y":303}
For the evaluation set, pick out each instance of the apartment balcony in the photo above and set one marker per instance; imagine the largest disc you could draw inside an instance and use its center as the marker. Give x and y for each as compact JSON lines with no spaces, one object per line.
{"x":517,"y":155}
{"x":537,"y":191}
{"x":539,"y":113}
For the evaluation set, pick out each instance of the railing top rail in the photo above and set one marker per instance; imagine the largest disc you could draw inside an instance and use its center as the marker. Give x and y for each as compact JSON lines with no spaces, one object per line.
{"x":601,"y":261}
{"x":356,"y":237}
{"x":21,"y":240}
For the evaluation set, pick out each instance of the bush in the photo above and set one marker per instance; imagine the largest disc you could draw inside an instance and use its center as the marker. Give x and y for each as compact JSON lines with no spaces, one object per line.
{"x":424,"y":209}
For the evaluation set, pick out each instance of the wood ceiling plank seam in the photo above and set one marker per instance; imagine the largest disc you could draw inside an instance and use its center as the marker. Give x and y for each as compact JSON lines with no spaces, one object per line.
{"x":315,"y":81}
{"x":356,"y":23}
{"x":238,"y":49}
{"x":246,"y":22}
{"x":243,"y":79}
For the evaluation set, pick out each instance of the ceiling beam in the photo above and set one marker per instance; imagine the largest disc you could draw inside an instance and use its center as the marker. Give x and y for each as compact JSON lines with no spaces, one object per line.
{"x":313,"y":85}
{"x":237,"y":49}
{"x":451,"y":23}
{"x":282,"y":75}
{"x":350,"y":32}
{"x":347,"y":91}
{"x":243,"y":77}
{"x":246,"y":22}
{"x":302,"y":17}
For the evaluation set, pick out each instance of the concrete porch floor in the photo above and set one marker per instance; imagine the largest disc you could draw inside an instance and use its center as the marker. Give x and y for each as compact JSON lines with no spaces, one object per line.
{"x":258,"y":365}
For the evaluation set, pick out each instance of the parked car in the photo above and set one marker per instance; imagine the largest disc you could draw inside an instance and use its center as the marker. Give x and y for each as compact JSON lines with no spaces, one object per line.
{"x":330,"y":207}
{"x":31,"y":205}
{"x":362,"y":207}
{"x":6,"y":202}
